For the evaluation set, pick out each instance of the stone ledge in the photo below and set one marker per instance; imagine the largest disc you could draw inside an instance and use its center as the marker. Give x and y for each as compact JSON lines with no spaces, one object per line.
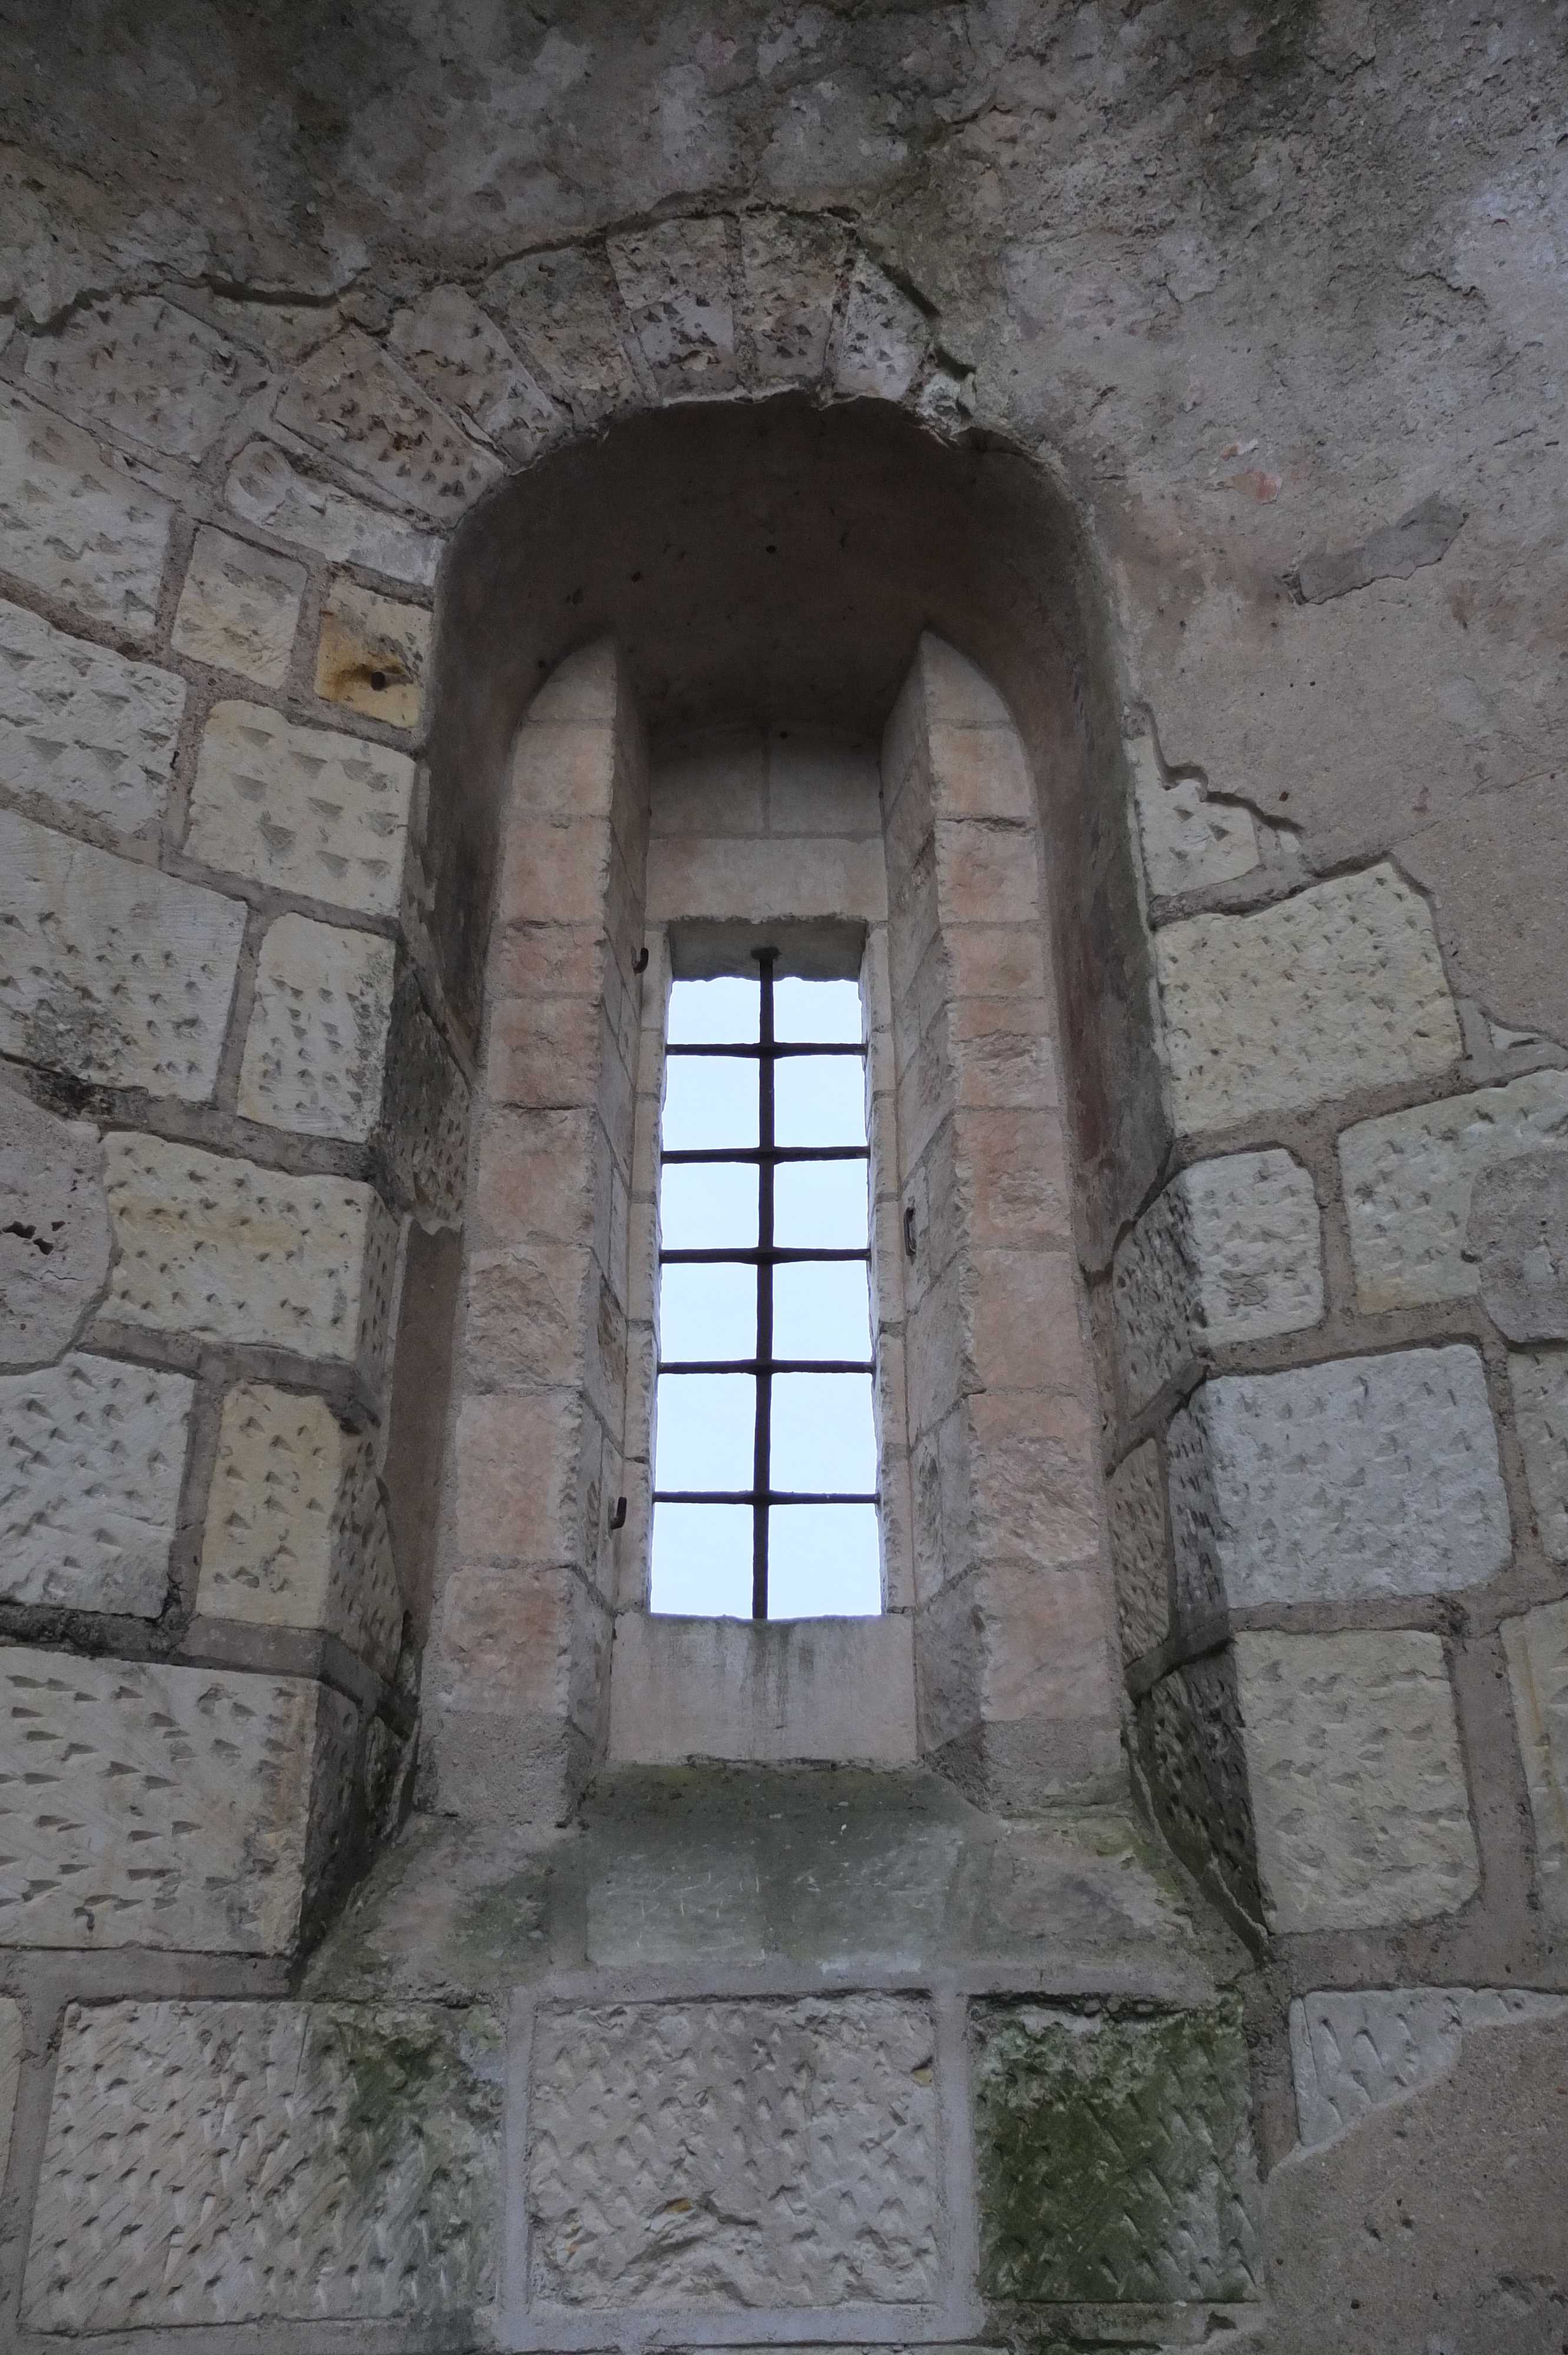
{"x":730,"y":1688}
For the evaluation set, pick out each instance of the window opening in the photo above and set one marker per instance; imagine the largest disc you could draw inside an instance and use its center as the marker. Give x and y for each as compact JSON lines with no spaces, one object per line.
{"x":765,"y":1475}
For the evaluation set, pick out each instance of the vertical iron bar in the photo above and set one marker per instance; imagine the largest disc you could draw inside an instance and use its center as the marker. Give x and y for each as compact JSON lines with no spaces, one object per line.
{"x":762,"y":1468}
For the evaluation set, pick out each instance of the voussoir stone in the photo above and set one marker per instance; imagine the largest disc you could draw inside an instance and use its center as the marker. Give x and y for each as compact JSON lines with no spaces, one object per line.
{"x":153,"y":372}
{"x":75,"y":523}
{"x":1357,"y":1784}
{"x":882,"y":338}
{"x":790,"y":265}
{"x":350,"y":399}
{"x":320,"y":2162}
{"x":87,"y":729}
{"x":308,"y":809}
{"x":1230,"y":1252}
{"x":555,"y":309}
{"x":316,"y":1045}
{"x":1337,"y":990}
{"x":54,"y":1231}
{"x":674,"y":280}
{"x":142,"y":1804}
{"x":1354,"y":2049}
{"x":91,"y":1458}
{"x":1360,"y":1477}
{"x":296,"y":1526}
{"x":240,"y":607}
{"x":264,"y":489}
{"x":635,"y":2107}
{"x":108,"y":969}
{"x":1410,"y":1178}
{"x":1539,"y":1381}
{"x":226,"y":1251}
{"x":1537,"y":1650}
{"x":462,"y":355}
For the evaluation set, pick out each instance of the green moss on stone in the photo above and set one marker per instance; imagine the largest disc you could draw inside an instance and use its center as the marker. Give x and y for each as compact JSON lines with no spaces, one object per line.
{"x":1116,"y":2160}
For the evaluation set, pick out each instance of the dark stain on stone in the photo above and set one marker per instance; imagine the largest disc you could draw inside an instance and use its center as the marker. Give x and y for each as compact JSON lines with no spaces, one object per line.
{"x":1422,"y":537}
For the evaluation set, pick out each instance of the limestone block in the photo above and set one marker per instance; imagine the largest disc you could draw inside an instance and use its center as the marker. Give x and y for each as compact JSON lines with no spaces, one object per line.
{"x":1537,"y":1650}
{"x":555,"y":310}
{"x":91,"y":1458}
{"x":240,"y":607}
{"x":352,"y":401}
{"x":1358,"y":1787}
{"x":674,"y":281}
{"x":1115,"y":2156}
{"x":10,"y":2051}
{"x":296,"y":1526}
{"x":75,"y":523}
{"x":304,"y":808}
{"x":1353,"y":2050}
{"x":462,"y":358}
{"x":108,"y":969}
{"x":372,"y":654}
{"x":153,"y":373}
{"x":1539,"y":1381}
{"x":423,"y":1139}
{"x":1189,"y":841}
{"x":265,"y":489}
{"x":1230,"y":1252}
{"x":1409,"y":1181}
{"x":316,"y":1044}
{"x":229,"y":1251}
{"x":1518,"y":1236}
{"x":54,"y":1231}
{"x":790,"y":266}
{"x":1135,"y":1494}
{"x":1340,"y":988}
{"x":879,"y":348}
{"x":146,"y":1805}
{"x":1362,"y":1478}
{"x":83,"y":727}
{"x":738,"y":2154}
{"x":314,"y":2162}
{"x":829,"y":1688}
{"x":1190,"y":1743}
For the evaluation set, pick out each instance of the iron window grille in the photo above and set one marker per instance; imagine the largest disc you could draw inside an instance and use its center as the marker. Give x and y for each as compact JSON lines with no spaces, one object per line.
{"x":765,"y":1255}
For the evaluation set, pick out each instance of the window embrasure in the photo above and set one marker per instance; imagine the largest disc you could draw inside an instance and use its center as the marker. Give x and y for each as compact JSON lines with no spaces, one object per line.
{"x":765,"y":1493}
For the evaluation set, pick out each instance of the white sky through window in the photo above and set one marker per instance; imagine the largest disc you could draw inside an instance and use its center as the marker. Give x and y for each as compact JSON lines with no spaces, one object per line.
{"x":822,"y":1559}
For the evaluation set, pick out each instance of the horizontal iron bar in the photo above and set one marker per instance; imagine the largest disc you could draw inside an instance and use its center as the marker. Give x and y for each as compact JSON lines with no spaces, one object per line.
{"x":763,"y":1497}
{"x":766,"y":1366}
{"x":773,"y":1153}
{"x":781,"y":1255}
{"x":779,"y":1049}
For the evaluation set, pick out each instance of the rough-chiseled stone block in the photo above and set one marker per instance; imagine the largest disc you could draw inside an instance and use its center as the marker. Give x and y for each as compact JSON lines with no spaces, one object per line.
{"x":1537,"y":1648}
{"x":790,"y":269}
{"x":661,"y":2171}
{"x":240,"y":607}
{"x":423,"y":1139}
{"x":1116,"y":2160}
{"x":1337,"y":989}
{"x":108,"y":969}
{"x":350,"y":399}
{"x":87,"y":729}
{"x":1135,"y":1495}
{"x":1518,"y":1236}
{"x":313,"y":2163}
{"x":1230,"y":1252}
{"x":462,"y":356}
{"x":554,"y":308}
{"x":1539,"y":1381}
{"x":150,"y":371}
{"x":142,"y":1805}
{"x":1355,"y":2049}
{"x":674,"y":281}
{"x":1189,"y":841}
{"x":1409,"y":1181}
{"x":1189,"y":1742}
{"x":316,"y":1044}
{"x":54,"y":1246}
{"x":296,"y":1528}
{"x":882,"y":337}
{"x":229,"y":1251}
{"x":307,"y":809}
{"x":264,"y":489}
{"x":1364,"y":1476}
{"x":91,"y":1456}
{"x":11,"y":2048}
{"x":372,"y":654}
{"x":75,"y":523}
{"x":1358,"y":1787}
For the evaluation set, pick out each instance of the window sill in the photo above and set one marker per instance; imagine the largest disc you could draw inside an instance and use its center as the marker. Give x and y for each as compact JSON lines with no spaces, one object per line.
{"x":762,"y":1692}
